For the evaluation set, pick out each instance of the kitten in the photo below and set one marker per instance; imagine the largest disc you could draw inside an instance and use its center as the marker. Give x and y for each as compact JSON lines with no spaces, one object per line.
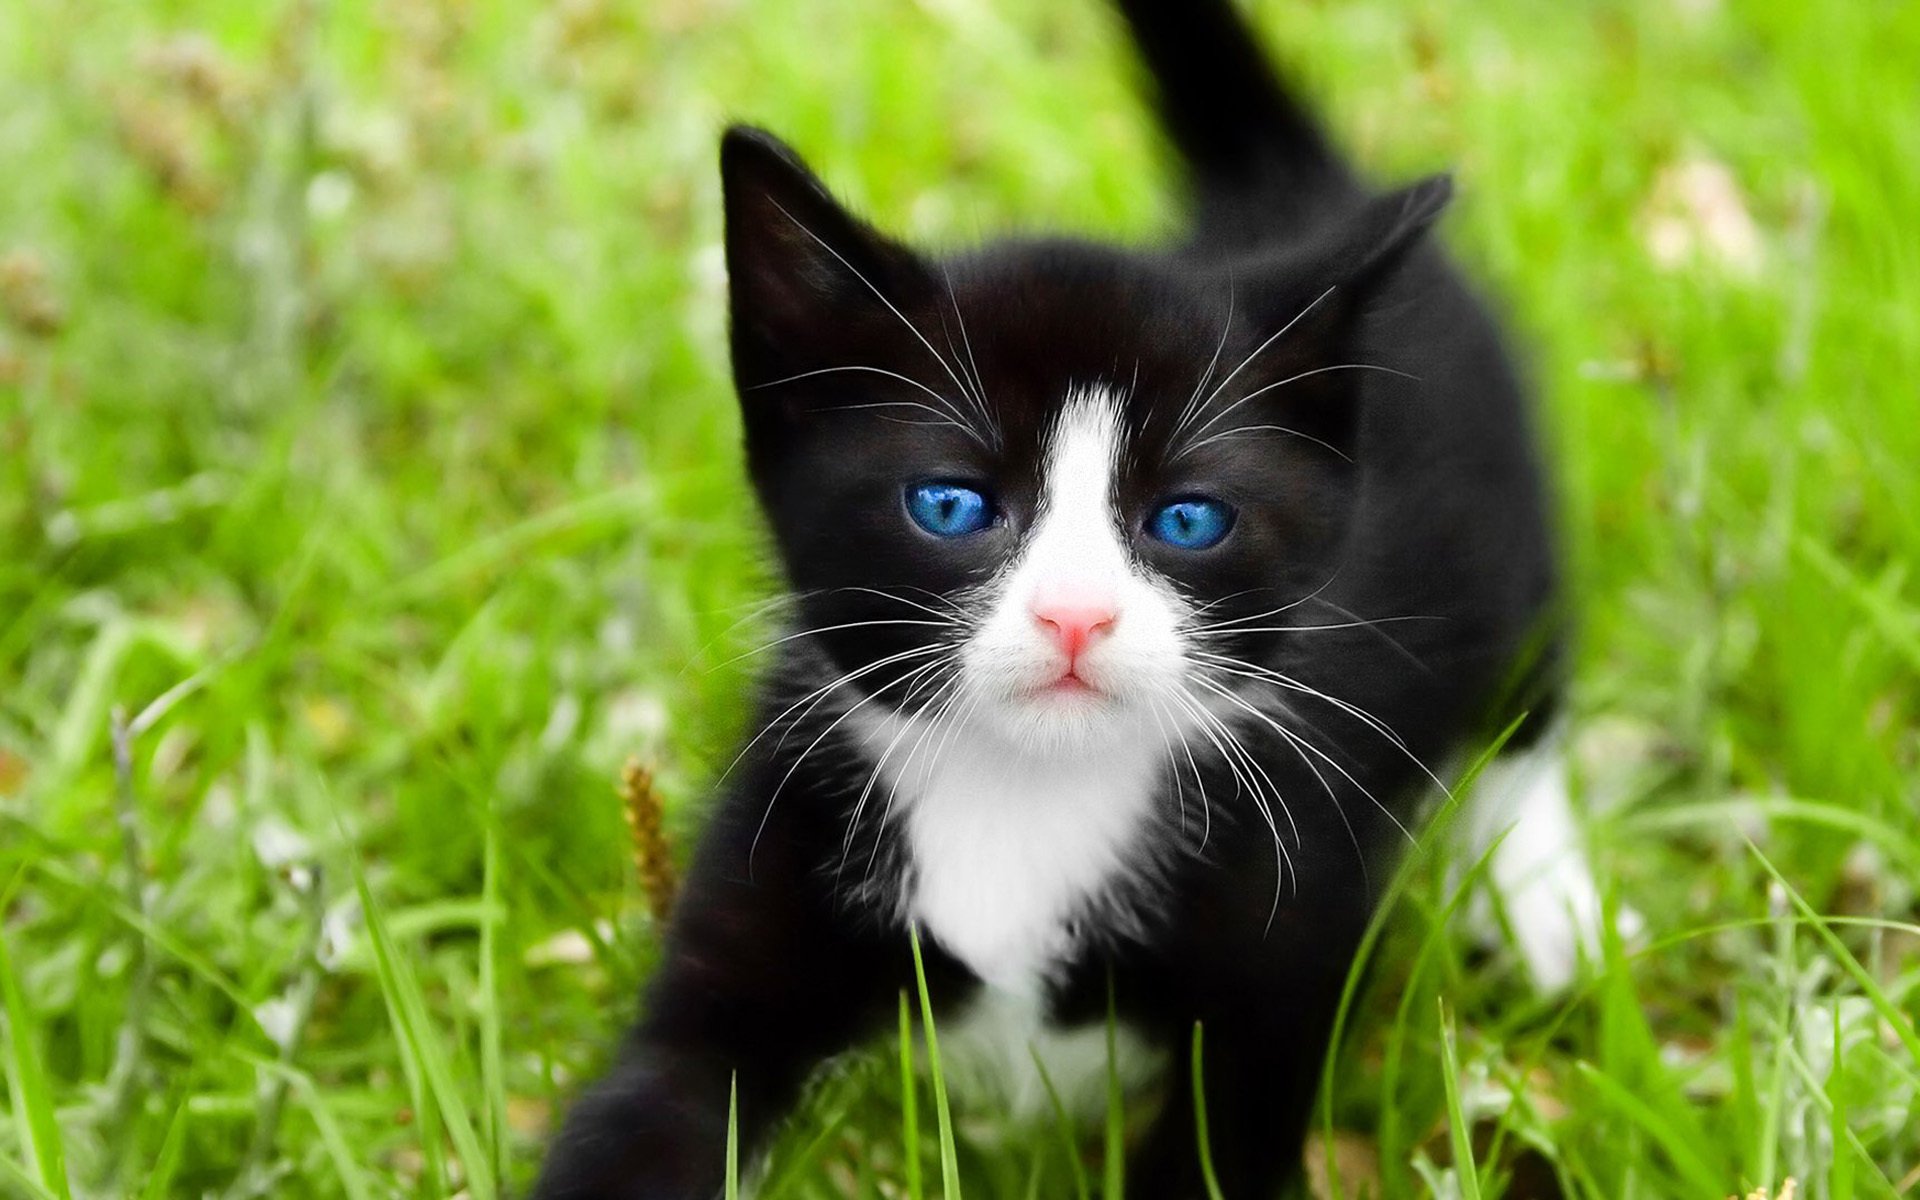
{"x":1139,"y":596}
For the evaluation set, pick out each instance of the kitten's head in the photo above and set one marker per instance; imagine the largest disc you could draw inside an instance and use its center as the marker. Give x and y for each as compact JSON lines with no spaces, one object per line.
{"x":1043,"y":483}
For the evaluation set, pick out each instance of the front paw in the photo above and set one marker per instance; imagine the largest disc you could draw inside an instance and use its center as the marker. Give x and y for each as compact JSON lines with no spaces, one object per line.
{"x":626,"y":1171}
{"x":639,"y":1136}
{"x":1558,"y":920}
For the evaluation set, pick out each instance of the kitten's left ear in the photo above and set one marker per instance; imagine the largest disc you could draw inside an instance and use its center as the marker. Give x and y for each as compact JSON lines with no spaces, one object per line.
{"x":1347,"y":262}
{"x":1328,"y":281}
{"x":803,"y":273}
{"x":1320,"y":291}
{"x":1387,"y":228}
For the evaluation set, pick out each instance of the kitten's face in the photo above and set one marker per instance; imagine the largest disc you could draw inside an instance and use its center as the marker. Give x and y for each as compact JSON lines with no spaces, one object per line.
{"x":1054,"y":489}
{"x":1078,"y":639}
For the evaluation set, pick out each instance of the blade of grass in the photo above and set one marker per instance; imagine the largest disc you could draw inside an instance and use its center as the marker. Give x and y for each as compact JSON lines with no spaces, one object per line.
{"x":165,"y":1163}
{"x":407,"y":1008}
{"x":1775,"y":1100}
{"x":1701,"y":1179}
{"x":1459,"y":1127}
{"x":615,"y":509}
{"x":795,"y":1164}
{"x":426,"y":1123}
{"x":1844,"y":1136}
{"x":1888,"y":1010}
{"x":1063,"y":1121}
{"x":949,"y":1159}
{"x":15,"y":1175}
{"x":910,"y":1105}
{"x":1719,"y":814}
{"x":1744,"y":1100}
{"x":1892,"y":624}
{"x":84,"y":717}
{"x":1114,"y":1182}
{"x":1840,"y":1179}
{"x":493,"y":1075}
{"x":1400,"y":1031}
{"x":88,"y":893}
{"x":31,"y":1097}
{"x":1376,"y":929}
{"x":1632,"y":1071}
{"x":1201,"y":1138}
{"x":733,"y":1138}
{"x":346,"y":1164}
{"x":301,"y":997}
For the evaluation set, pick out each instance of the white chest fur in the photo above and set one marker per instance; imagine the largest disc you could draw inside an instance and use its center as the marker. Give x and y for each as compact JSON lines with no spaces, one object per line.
{"x":1007,"y":849}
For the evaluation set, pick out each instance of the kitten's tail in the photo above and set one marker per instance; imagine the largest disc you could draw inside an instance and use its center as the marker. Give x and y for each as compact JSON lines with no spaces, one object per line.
{"x":1257,"y":157}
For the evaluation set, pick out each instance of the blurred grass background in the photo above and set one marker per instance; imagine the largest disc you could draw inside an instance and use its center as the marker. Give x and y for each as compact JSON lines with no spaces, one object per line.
{"x":366,"y":443}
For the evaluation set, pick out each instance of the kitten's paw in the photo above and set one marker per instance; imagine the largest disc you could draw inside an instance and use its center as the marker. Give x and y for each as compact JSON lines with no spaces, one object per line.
{"x":1556,"y":917}
{"x":1539,"y":869}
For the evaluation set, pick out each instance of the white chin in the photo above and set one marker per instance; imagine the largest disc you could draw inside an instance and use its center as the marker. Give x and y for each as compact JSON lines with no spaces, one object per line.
{"x":1064,"y":719}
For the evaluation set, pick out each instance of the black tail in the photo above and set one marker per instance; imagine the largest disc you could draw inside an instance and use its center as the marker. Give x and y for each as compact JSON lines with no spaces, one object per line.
{"x":1259,"y":161}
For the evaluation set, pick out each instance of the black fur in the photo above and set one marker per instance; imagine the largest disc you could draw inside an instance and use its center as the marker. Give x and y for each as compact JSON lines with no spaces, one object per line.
{"x":1416,"y":492}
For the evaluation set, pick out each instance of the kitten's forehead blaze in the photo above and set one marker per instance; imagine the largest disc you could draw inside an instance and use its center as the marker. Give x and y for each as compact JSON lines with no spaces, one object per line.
{"x":1076,"y":541}
{"x":1076,"y":555}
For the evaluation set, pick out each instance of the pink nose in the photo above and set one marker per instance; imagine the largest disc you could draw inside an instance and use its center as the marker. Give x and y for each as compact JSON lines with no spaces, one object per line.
{"x":1074,"y":623}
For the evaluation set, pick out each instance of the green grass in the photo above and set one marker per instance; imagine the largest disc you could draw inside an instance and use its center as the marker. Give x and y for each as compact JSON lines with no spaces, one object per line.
{"x":365,"y":433}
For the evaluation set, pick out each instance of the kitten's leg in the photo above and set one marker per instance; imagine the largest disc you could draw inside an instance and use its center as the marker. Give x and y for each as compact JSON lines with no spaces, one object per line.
{"x":1540,"y":868}
{"x":762,"y":980}
{"x":1259,"y":1098}
{"x":1266,"y":1019}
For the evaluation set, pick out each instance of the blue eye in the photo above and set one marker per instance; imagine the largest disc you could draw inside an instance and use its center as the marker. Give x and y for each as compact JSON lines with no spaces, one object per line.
{"x":948,"y":510}
{"x":1191,"y":522}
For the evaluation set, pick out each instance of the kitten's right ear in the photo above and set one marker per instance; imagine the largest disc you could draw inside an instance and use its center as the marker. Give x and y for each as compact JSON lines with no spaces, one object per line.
{"x":803,"y":273}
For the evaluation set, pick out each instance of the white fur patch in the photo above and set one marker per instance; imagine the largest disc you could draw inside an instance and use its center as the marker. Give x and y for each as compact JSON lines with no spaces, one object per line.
{"x":1077,"y":545}
{"x":1007,"y":849}
{"x":1028,"y":810}
{"x":1540,"y":870}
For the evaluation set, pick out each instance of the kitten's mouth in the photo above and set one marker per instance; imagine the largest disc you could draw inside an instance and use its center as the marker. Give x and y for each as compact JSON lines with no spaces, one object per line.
{"x":1069,"y":684}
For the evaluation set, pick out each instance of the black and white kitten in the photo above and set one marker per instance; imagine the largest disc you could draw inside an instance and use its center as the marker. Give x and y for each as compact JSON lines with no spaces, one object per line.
{"x":1140,"y":595}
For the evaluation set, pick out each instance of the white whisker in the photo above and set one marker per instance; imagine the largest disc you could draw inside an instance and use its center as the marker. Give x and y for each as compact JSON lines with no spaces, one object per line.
{"x":1285,"y":734}
{"x":1228,"y":628}
{"x":1273,"y":612}
{"x":1275,"y":678}
{"x":853,"y":821}
{"x":1384,"y":636}
{"x":767,"y":815}
{"x":1213,"y":729}
{"x":1303,"y":747}
{"x":1261,"y":391}
{"x":953,"y":610}
{"x":1166,"y":744}
{"x":952,"y":411}
{"x":966,"y":701}
{"x":813,"y":698}
{"x":792,"y":637}
{"x":1276,"y":336}
{"x":1206,"y":377}
{"x":878,"y":294}
{"x":979,"y":385}
{"x":1240,"y":429}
